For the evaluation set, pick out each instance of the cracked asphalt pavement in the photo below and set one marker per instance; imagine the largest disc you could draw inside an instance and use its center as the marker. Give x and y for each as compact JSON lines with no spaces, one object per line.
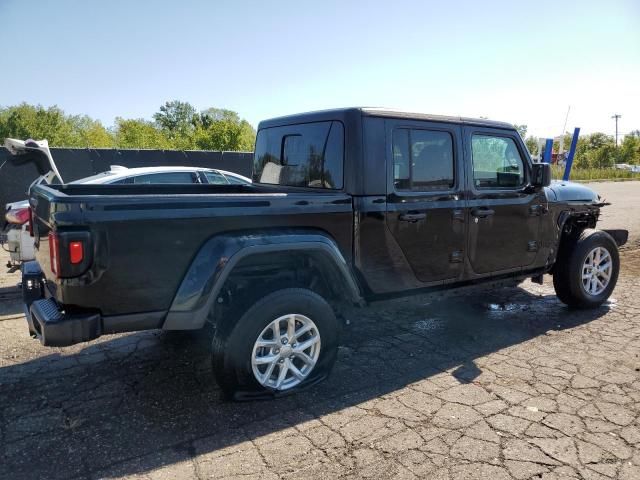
{"x":500,"y":384}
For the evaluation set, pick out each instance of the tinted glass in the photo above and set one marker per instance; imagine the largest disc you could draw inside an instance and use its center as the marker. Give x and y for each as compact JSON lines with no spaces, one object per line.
{"x":496,"y":162}
{"x":216,"y":178}
{"x":401,"y":160}
{"x":235,"y":180}
{"x":422,"y":159}
{"x":166,"y":177}
{"x":306,"y":155}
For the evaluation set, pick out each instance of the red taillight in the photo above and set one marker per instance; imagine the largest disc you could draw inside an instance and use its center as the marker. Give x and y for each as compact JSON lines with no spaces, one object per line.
{"x":18,"y":215}
{"x":76,"y":252}
{"x":54,"y":253}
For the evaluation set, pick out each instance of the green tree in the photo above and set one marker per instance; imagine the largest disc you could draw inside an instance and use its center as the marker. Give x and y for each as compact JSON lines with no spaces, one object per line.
{"x":140,"y":134}
{"x":91,"y":133}
{"x":603,"y":157}
{"x":634,"y":133}
{"x":221,"y":129}
{"x":177,"y":125}
{"x":218,"y":114}
{"x":61,"y":130}
{"x":532,"y":145}
{"x":178,"y":121}
{"x":596,"y":150}
{"x":630,"y":149}
{"x":522,"y":130}
{"x":28,"y":121}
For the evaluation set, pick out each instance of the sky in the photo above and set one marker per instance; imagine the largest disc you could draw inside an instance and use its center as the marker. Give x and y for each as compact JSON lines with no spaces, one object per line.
{"x":515,"y":61}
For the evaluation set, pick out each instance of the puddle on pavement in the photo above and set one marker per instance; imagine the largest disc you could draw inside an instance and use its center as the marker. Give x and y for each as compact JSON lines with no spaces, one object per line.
{"x":505,"y":307}
{"x":428,"y":324}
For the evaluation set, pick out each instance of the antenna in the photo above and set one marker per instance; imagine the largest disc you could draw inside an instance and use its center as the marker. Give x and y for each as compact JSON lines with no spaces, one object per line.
{"x":564,"y":128}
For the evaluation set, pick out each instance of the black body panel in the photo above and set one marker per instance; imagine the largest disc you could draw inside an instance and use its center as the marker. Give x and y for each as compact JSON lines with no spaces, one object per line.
{"x":159,"y":253}
{"x":144,"y":244}
{"x":504,"y":223}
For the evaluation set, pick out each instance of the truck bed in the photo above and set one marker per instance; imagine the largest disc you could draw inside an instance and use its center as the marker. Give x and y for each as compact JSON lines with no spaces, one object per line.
{"x":144,"y":237}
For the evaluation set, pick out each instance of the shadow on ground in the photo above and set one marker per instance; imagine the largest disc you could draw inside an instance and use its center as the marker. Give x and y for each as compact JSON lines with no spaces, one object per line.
{"x":130,"y":404}
{"x":10,"y":301}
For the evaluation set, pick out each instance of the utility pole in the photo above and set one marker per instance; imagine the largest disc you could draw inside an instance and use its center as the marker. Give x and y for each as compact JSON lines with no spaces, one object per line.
{"x":616,"y":116}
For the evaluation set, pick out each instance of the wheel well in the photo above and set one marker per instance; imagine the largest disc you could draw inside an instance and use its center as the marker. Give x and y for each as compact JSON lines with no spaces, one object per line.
{"x":573,"y":226}
{"x":260,"y":274}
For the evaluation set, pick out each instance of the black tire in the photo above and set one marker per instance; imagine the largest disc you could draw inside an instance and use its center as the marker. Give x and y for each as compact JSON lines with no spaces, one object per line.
{"x":232,"y":347}
{"x":567,"y":276}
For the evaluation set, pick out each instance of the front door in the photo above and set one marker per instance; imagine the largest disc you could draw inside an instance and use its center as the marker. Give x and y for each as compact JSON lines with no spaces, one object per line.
{"x":425,"y":205}
{"x":504,"y":211}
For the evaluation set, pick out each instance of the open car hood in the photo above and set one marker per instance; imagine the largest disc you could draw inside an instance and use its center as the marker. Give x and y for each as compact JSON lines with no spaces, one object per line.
{"x":36,"y":152}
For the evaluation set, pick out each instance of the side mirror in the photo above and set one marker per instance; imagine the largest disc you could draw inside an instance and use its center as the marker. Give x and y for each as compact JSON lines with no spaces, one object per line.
{"x":541,"y":175}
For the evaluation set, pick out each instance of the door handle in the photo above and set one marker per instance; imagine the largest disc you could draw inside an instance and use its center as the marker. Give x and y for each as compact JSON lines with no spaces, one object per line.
{"x":412,"y":217}
{"x":482,"y":212}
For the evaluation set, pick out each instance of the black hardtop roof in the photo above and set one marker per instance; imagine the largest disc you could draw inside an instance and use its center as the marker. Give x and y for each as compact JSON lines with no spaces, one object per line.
{"x":341,"y":113}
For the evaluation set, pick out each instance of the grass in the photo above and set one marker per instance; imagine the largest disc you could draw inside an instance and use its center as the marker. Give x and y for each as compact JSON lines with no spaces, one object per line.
{"x":594,"y":174}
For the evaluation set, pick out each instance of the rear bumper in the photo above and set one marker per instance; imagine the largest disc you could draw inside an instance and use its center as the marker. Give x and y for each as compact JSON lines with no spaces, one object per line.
{"x":46,"y":321}
{"x":56,"y":327}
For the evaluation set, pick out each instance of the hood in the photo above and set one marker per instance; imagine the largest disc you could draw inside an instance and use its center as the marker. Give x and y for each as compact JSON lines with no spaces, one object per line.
{"x":37,"y":152}
{"x":572,"y":192}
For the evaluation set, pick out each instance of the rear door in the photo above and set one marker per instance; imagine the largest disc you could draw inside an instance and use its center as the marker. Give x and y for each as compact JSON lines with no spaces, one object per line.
{"x":504,"y":219}
{"x":425,"y":203}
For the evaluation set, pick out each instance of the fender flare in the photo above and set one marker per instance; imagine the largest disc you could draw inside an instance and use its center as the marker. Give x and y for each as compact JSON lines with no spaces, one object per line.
{"x":563,"y":216}
{"x":217,"y":258}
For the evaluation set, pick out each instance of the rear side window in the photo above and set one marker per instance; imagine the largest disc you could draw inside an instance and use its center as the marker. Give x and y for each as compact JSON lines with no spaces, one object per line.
{"x":496,"y":162}
{"x":304,"y":155}
{"x":167,"y":177}
{"x":234,"y":180}
{"x":422,"y":159}
{"x":124,"y":181}
{"x":216,"y":178}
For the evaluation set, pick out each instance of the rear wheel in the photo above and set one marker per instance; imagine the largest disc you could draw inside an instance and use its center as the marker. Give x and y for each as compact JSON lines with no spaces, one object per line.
{"x":587,"y":271}
{"x":282,"y":343}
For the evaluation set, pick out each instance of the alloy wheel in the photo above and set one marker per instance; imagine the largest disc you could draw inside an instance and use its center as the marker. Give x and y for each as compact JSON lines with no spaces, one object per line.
{"x":286,"y":352}
{"x":596,"y":271}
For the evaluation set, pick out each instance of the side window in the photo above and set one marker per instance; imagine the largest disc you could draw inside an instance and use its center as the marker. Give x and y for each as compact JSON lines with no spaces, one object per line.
{"x":303,"y":155}
{"x":216,"y":178}
{"x":235,"y":181}
{"x":166,"y":177}
{"x":422,"y":160}
{"x":123,"y":181}
{"x":496,"y":162}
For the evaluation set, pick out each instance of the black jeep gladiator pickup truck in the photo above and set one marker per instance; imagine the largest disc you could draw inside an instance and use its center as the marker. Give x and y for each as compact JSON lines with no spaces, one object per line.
{"x":347,"y":206}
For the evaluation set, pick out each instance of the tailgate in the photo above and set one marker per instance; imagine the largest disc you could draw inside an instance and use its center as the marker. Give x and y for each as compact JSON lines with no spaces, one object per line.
{"x":63,"y":245}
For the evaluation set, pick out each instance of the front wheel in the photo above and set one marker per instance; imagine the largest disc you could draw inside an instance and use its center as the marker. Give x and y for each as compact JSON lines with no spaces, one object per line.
{"x":283,"y":342}
{"x":586,"y":274}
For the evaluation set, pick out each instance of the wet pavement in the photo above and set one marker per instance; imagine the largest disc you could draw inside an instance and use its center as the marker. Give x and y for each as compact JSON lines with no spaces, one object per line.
{"x":502,"y":384}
